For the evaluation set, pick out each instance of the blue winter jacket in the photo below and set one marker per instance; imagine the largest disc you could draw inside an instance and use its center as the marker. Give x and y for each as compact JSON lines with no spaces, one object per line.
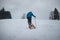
{"x":30,"y":14}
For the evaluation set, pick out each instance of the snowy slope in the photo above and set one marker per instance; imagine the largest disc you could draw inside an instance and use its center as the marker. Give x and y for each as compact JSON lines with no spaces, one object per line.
{"x":17,"y":29}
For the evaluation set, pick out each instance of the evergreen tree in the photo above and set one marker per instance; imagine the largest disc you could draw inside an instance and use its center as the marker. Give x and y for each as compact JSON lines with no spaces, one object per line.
{"x":56,"y":14}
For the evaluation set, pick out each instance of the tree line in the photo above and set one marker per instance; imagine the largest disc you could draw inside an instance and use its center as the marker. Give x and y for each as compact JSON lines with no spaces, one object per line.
{"x":54,"y":15}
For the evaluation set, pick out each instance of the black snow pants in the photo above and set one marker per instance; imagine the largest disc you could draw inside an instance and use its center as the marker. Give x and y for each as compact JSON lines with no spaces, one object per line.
{"x":29,"y":20}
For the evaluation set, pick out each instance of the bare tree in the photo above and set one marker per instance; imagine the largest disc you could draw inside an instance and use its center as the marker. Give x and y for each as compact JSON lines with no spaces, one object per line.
{"x":51,"y":16}
{"x":23,"y":16}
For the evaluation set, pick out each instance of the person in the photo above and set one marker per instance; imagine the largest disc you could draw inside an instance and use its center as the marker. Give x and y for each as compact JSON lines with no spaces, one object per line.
{"x":29,"y":18}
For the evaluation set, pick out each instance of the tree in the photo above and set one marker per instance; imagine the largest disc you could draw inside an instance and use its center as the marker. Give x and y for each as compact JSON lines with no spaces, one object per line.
{"x":5,"y":14}
{"x":54,"y":14}
{"x":51,"y":16}
{"x":23,"y":17}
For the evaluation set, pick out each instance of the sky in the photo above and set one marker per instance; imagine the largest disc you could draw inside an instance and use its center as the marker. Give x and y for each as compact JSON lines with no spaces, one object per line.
{"x":40,"y":8}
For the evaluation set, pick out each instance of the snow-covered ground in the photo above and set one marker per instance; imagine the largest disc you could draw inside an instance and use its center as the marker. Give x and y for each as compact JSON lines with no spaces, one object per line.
{"x":17,"y":29}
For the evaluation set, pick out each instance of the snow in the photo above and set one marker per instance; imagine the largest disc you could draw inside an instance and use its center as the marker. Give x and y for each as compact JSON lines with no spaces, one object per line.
{"x":17,"y":29}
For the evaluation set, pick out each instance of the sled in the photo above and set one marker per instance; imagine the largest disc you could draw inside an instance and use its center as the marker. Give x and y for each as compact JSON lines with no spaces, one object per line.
{"x":32,"y":26}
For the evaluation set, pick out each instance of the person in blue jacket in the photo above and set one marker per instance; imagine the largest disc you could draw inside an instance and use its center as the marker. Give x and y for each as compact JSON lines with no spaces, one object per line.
{"x":29,"y":18}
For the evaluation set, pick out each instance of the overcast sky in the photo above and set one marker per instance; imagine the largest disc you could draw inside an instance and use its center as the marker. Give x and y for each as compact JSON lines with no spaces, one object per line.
{"x":41,"y":8}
